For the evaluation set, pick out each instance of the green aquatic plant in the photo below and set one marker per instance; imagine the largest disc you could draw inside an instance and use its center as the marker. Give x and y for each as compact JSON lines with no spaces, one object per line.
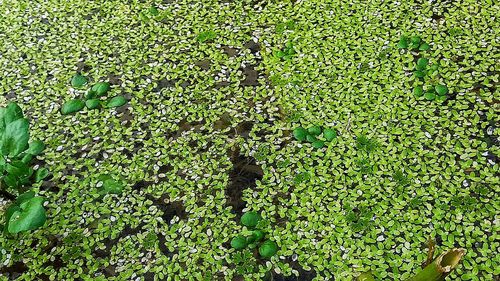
{"x":25,"y":213}
{"x":287,"y":52}
{"x":92,"y":98}
{"x":252,"y":236}
{"x":206,"y":36}
{"x":17,"y":151}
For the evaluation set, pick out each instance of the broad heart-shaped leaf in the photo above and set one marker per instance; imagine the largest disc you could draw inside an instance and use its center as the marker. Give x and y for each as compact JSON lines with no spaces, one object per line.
{"x":93,"y":103}
{"x":31,"y":215}
{"x":116,"y":102}
{"x":441,"y":90}
{"x":101,"y":88}
{"x":239,"y":242}
{"x":40,"y":174}
{"x":250,"y":219}
{"x":35,"y":148}
{"x":330,"y":134}
{"x":72,"y":106}
{"x":268,"y":249}
{"x":78,"y":81}
{"x":300,"y":133}
{"x":15,"y":137}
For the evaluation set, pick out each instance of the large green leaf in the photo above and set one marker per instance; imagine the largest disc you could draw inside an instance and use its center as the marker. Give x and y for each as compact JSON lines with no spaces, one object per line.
{"x":30,"y":215}
{"x":18,"y":169}
{"x":13,"y":112}
{"x":36,"y":147}
{"x":15,"y":138}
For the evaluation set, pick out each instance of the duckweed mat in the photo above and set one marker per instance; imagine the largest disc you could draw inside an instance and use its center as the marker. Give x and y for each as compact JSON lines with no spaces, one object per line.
{"x":215,"y":90}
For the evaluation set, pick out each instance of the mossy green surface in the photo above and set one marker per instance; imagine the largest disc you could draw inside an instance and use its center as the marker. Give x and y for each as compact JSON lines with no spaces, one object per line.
{"x":347,"y":74}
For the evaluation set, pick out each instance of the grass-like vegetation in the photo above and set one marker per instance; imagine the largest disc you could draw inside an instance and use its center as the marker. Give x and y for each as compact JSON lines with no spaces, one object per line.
{"x":212,"y":111}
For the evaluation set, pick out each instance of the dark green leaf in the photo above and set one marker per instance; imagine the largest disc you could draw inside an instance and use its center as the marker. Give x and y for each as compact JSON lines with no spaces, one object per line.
{"x":11,"y":181}
{"x":15,"y":137}
{"x":430,"y":96}
{"x":300,"y":134}
{"x":318,"y":144}
{"x":78,"y":81}
{"x":424,"y":47}
{"x":41,"y":174}
{"x":31,"y":215}
{"x":239,"y":242}
{"x":441,"y":90}
{"x":257,"y":235}
{"x":418,"y":91}
{"x":420,"y":73}
{"x":110,"y":185}
{"x":12,"y":113}
{"x":24,"y":197}
{"x":403,"y":43}
{"x":36,"y":147}
{"x":72,"y":106}
{"x":116,"y":102}
{"x":250,"y":219}
{"x":441,"y":98}
{"x":314,"y":130}
{"x":153,"y":11}
{"x":93,"y":103}
{"x":90,"y":95}
{"x":415,"y":40}
{"x":27,"y":158}
{"x":18,"y":169}
{"x":422,"y":63}
{"x":330,"y":134}
{"x":280,"y":54}
{"x":268,"y":249}
{"x":311,"y":138}
{"x":101,"y":88}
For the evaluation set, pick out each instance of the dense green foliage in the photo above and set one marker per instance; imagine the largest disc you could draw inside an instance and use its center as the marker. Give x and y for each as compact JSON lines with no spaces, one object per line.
{"x":409,"y":159}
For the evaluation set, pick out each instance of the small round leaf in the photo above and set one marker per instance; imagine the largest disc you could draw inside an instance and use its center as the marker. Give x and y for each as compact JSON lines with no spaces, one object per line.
{"x":78,"y":81}
{"x":300,"y":133}
{"x":268,"y":249}
{"x":441,"y":90}
{"x":116,"y":101}
{"x":239,"y":242}
{"x":250,"y":219}
{"x":418,"y":91}
{"x":314,"y":130}
{"x":93,"y":103}
{"x":430,"y":96}
{"x":329,"y":134}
